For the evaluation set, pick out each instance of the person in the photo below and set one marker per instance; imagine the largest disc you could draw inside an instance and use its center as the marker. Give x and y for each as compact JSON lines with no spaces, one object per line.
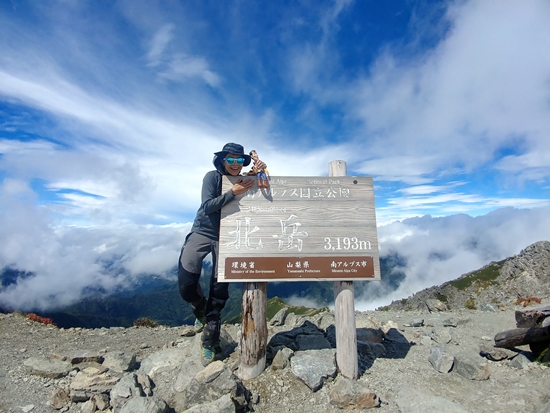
{"x":261,"y":173}
{"x":203,"y":239}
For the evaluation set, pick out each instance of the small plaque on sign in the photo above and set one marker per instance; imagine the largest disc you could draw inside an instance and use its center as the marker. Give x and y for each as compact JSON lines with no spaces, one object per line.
{"x":314,"y":228}
{"x":298,"y":267}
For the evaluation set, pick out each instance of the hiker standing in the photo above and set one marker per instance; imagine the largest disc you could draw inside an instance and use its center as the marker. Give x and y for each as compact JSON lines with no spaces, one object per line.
{"x":203,"y":239}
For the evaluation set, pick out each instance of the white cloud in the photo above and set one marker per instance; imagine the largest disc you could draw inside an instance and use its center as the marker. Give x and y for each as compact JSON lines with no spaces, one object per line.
{"x":441,"y":249}
{"x":159,"y":43}
{"x":484,"y":87}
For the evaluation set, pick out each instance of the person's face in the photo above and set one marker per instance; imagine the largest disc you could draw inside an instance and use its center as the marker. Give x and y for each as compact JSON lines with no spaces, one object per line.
{"x":233,"y":168}
{"x":254,"y":155}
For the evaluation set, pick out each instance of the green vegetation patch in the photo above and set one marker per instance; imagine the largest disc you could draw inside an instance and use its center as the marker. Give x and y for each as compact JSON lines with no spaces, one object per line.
{"x":442,"y":298}
{"x":470,"y":303}
{"x":275,"y":304}
{"x":484,"y":277}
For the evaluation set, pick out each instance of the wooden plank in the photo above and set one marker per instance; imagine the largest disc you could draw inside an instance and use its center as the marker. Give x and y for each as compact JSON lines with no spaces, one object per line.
{"x":344,"y":312}
{"x":253,"y":343}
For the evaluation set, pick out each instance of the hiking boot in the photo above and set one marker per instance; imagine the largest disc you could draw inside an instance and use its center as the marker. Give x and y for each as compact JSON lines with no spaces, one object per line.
{"x":207,"y":356}
{"x":199,"y":324}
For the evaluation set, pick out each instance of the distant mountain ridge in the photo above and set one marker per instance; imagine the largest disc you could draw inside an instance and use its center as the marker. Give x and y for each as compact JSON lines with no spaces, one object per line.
{"x":497,"y":284}
{"x":158,"y":298}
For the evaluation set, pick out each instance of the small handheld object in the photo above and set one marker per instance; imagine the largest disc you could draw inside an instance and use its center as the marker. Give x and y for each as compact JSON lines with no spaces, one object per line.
{"x":262,"y":174}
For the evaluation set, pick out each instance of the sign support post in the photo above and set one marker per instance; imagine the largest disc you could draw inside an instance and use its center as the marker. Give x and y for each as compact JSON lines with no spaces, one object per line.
{"x":253,"y":342}
{"x":344,"y":311}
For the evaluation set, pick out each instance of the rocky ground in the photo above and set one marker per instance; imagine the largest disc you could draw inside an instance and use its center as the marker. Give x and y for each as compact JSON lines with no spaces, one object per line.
{"x":404,"y":380}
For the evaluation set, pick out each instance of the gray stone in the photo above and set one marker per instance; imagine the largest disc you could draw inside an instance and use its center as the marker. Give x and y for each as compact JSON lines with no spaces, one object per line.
{"x":471,"y":367}
{"x":325,"y":320}
{"x":282,"y":359}
{"x":352,"y":395}
{"x":545,"y":408}
{"x":223,"y":405}
{"x":279,"y":318}
{"x":441,"y":359}
{"x":426,"y":340}
{"x":59,"y":398}
{"x":50,"y":368}
{"x":163,"y":360}
{"x":313,"y":367}
{"x":209,"y":385}
{"x":188,"y":331}
{"x":450,"y":322}
{"x":92,"y":380}
{"x":488,"y":307}
{"x":441,"y":336}
{"x":519,"y":362}
{"x":101,"y":401}
{"x":145,"y":383}
{"x":87,"y":407}
{"x":151,"y":404}
{"x":123,"y":391}
{"x":496,"y":353}
{"x":293,"y":320}
{"x":417,"y":322}
{"x":84,"y":356}
{"x":412,"y":400}
{"x":119,"y":361}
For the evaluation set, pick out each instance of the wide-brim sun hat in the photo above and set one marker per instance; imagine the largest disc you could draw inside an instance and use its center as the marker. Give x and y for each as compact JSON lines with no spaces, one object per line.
{"x":233,"y":148}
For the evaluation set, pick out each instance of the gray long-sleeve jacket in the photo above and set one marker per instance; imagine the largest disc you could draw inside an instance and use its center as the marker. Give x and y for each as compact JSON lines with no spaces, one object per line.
{"x":207,"y":221}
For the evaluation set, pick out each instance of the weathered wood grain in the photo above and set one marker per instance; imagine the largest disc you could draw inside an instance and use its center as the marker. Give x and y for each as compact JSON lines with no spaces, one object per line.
{"x":301,"y":216}
{"x":522,"y":336}
{"x":347,"y":359}
{"x":253,"y":342}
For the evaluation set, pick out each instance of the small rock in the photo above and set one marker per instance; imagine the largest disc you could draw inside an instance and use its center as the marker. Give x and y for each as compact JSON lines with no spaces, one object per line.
{"x":441,"y":359}
{"x":471,"y":367}
{"x":418,"y":322}
{"x":352,"y":395}
{"x":59,"y":399}
{"x":495,"y":353}
{"x":488,"y":307}
{"x":282,"y":359}
{"x":450,"y":322}
{"x":521,"y":361}
{"x":151,"y":404}
{"x":441,"y":336}
{"x":279,"y":318}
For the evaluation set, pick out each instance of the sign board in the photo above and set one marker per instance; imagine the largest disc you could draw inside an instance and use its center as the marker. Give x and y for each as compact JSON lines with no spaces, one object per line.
{"x":300,"y":229}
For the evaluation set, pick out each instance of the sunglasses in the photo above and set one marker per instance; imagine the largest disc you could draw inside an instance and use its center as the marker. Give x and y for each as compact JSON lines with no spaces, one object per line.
{"x":231,"y":161}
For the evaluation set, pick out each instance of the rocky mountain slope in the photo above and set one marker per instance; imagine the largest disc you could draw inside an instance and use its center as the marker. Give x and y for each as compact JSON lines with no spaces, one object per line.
{"x":498,"y":284}
{"x":433,"y":358}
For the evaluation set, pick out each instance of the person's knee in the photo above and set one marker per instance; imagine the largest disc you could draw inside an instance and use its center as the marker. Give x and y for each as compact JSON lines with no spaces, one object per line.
{"x":187,"y":283}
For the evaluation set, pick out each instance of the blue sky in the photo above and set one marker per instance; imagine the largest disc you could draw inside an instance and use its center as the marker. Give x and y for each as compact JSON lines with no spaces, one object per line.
{"x":110,"y":113}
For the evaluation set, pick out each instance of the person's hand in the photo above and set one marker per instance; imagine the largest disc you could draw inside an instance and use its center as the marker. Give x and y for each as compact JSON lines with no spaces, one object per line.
{"x":259,"y":164}
{"x":242,"y":185}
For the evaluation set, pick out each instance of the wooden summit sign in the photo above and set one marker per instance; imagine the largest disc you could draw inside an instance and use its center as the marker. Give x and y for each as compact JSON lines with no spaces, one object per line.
{"x":298,"y":229}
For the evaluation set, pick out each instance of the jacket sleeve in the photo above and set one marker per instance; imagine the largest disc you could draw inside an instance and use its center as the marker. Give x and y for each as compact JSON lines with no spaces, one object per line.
{"x":212,"y":198}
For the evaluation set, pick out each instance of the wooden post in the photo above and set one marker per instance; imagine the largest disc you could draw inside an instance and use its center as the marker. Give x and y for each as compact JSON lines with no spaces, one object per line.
{"x":253,"y":342}
{"x":344,"y":311}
